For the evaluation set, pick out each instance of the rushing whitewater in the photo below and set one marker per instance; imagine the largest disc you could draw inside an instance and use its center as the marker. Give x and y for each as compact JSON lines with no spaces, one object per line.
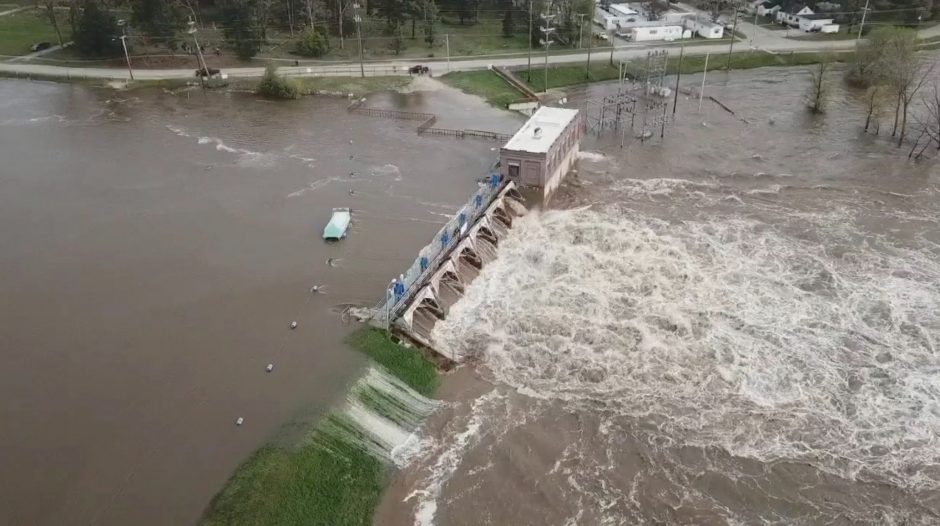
{"x":755,"y":342}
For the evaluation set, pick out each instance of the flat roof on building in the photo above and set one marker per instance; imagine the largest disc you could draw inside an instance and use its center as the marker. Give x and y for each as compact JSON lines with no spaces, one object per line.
{"x":550,"y":122}
{"x":623,"y":9}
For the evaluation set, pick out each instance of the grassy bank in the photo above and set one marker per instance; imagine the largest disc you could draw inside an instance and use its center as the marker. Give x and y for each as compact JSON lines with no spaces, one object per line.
{"x":328,"y":478}
{"x":19,"y":31}
{"x":486,"y":84}
{"x":358,"y":86}
{"x":569,"y":75}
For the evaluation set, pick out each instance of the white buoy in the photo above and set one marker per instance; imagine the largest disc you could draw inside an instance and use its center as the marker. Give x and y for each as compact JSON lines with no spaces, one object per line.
{"x":240,"y":421}
{"x":293,"y":325}
{"x":269,"y":368}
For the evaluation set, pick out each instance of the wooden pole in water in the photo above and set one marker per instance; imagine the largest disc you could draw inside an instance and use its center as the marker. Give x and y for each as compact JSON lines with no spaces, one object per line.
{"x":701,"y":92}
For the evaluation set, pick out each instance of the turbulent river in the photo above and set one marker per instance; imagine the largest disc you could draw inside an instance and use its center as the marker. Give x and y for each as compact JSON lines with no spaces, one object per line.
{"x":736,"y":325}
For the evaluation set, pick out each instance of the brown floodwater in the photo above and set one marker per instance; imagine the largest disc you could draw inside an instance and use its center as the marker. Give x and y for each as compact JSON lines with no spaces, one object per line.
{"x":737,"y":324}
{"x":154,"y":248}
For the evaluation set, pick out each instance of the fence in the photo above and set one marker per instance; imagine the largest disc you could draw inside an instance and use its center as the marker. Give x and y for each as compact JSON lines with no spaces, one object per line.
{"x":428,"y":121}
{"x":438,"y":250}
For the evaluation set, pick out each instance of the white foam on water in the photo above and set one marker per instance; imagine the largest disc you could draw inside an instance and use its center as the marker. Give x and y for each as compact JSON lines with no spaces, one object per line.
{"x":594,"y":157}
{"x":386,"y":170}
{"x":315,"y":185}
{"x":448,"y":460}
{"x":731,"y":332}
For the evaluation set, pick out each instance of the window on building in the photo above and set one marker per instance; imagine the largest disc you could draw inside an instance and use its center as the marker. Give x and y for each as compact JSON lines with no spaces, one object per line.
{"x":514,"y":169}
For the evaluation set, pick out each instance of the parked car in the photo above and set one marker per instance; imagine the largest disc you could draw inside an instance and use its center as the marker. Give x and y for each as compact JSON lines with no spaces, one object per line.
{"x":39,"y":46}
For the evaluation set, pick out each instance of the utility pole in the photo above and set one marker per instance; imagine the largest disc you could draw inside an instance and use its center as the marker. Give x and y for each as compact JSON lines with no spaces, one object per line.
{"x":675,"y":100}
{"x":203,"y":77}
{"x":862,"y":25}
{"x":547,"y":30}
{"x":358,"y":19}
{"x":124,"y":44}
{"x":447,"y":45}
{"x":754,"y":34}
{"x":587,"y":72}
{"x":701,"y":92}
{"x":528,"y":74}
{"x":734,"y":27}
{"x":580,"y":28}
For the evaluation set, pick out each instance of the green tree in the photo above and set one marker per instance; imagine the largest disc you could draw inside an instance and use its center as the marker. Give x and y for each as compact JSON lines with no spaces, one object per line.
{"x":275,"y":86}
{"x":159,"y":19}
{"x":242,"y":30}
{"x":508,"y":25}
{"x":430,"y":19}
{"x":96,"y":31}
{"x":313,"y":44}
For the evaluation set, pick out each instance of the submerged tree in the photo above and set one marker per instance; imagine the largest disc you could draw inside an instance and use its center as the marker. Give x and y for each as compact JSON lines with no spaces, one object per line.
{"x":906,"y":73}
{"x":819,"y":87}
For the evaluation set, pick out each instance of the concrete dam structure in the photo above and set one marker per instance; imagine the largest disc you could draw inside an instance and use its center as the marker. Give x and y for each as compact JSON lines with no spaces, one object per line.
{"x":534,"y":161}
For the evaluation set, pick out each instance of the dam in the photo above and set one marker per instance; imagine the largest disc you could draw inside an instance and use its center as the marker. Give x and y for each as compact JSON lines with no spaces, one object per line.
{"x":530,"y":168}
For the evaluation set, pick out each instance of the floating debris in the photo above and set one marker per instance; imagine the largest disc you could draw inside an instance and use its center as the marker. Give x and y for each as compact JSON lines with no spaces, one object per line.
{"x":293,"y":325}
{"x":317,"y":289}
{"x":269,"y":368}
{"x":239,"y":421}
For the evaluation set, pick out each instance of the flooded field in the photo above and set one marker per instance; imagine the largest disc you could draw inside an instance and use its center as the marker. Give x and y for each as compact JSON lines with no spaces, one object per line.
{"x":735,"y":325}
{"x":155,"y":248}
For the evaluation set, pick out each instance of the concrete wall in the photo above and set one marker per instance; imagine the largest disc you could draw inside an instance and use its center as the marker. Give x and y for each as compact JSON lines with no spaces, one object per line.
{"x":544,"y":171}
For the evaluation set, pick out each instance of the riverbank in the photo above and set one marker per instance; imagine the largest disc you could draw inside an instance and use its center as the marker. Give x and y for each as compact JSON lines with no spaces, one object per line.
{"x":336,"y":472}
{"x":498,"y":92}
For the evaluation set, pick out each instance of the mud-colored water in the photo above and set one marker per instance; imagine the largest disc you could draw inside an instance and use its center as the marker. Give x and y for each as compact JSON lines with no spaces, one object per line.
{"x":153,"y":250}
{"x":736,"y":325}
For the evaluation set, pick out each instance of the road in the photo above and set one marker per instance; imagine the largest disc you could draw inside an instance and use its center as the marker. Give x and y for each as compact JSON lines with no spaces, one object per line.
{"x":757,"y":38}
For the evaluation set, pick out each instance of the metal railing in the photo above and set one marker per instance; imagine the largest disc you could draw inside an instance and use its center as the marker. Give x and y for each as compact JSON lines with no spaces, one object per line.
{"x":435,"y":252}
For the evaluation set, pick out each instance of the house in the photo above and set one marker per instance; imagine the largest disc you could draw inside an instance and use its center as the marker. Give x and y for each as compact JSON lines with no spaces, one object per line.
{"x":752,"y":5}
{"x":704,"y":27}
{"x":542,"y":152}
{"x":791,"y":16}
{"x":647,"y":33}
{"x":817,"y":22}
{"x":768,"y":8}
{"x":617,"y":16}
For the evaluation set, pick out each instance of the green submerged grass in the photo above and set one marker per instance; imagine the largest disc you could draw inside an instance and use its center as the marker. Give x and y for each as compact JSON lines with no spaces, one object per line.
{"x":358,"y":86}
{"x":570,"y":75}
{"x":486,"y":84}
{"x":326,"y":480}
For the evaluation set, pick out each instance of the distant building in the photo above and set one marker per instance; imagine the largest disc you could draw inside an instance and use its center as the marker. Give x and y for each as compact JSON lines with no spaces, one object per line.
{"x":768,"y":8}
{"x":542,"y":152}
{"x":818,"y":22}
{"x":648,"y":33}
{"x":791,"y":16}
{"x":704,"y":27}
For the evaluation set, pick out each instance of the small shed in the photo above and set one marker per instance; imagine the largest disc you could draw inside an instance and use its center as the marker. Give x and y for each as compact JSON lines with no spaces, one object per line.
{"x":814,"y":22}
{"x":542,"y":152}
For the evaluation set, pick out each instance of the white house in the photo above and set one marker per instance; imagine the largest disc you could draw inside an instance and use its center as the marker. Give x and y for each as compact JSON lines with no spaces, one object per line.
{"x":704,"y":27}
{"x":752,"y":5}
{"x":768,"y":8}
{"x":812,"y":23}
{"x":791,"y":16}
{"x":618,"y":16}
{"x":647,"y":33}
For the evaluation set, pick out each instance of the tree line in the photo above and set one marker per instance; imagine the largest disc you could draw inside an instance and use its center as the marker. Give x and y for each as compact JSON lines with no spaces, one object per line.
{"x":315,"y":26}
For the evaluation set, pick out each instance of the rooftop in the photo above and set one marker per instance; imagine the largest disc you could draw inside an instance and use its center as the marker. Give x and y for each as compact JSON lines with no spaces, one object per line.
{"x":549,"y":122}
{"x":817,"y":16}
{"x":623,"y":10}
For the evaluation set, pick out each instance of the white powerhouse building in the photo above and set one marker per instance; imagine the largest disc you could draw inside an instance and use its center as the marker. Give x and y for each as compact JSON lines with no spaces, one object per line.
{"x":542,"y":152}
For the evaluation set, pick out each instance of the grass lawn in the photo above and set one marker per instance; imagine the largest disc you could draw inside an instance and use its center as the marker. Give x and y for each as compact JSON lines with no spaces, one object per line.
{"x":486,"y":84}
{"x":483,"y":38}
{"x":569,"y":75}
{"x":358,"y":86}
{"x":19,"y":31}
{"x":326,"y":479}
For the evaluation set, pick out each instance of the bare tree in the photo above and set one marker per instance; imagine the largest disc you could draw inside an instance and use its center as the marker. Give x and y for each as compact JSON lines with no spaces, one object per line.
{"x":906,"y":73}
{"x":48,"y":7}
{"x":819,"y":87}
{"x":341,"y":7}
{"x":930,"y":122}
{"x":875,"y":104}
